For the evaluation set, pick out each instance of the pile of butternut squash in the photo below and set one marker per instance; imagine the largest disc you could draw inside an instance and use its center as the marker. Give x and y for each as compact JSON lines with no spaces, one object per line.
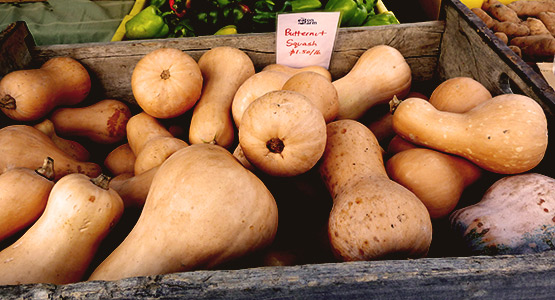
{"x":227,"y":164}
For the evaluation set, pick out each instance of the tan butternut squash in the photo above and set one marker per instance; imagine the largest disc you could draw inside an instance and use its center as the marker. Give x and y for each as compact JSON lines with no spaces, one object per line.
{"x":73,"y":148}
{"x":133,"y":189}
{"x":155,"y":152}
{"x":28,"y":95}
{"x":254,"y":87}
{"x":282,"y":133}
{"x":103,"y":122}
{"x":61,"y":244}
{"x":120,"y":160}
{"x":141,"y":128}
{"x":23,"y":196}
{"x":380,"y":73}
{"x":182,"y":225}
{"x":382,"y":126}
{"x":436,"y":178}
{"x":224,"y":69}
{"x":372,"y":216}
{"x":166,"y":83}
{"x":292,"y":71}
{"x":318,"y":89}
{"x":506,"y":134}
{"x":459,"y":94}
{"x":26,"y":146}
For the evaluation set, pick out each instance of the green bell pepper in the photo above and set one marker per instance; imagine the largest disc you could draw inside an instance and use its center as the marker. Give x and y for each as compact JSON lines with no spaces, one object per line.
{"x":386,"y":18}
{"x":305,"y":5}
{"x":148,"y":23}
{"x":353,"y":12}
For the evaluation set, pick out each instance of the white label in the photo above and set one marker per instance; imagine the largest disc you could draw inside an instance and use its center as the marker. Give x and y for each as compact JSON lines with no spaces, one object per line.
{"x":306,"y":39}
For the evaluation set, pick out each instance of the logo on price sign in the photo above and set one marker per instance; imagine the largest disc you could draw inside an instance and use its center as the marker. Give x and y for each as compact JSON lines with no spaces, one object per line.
{"x":306,"y":39}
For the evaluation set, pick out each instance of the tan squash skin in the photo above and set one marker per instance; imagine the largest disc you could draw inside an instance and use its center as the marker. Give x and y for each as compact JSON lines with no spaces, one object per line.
{"x":398,"y":144}
{"x":240,"y":156}
{"x":382,"y":127}
{"x":283,"y":133}
{"x":166,"y":83}
{"x":26,"y":146}
{"x":254,"y":87}
{"x":132,"y":188}
{"x":120,"y":160}
{"x":27,"y":95}
{"x":224,"y":69}
{"x":103,"y":122}
{"x":436,"y":178}
{"x":372,"y":216}
{"x":507,"y":134}
{"x":183,"y":226}
{"x":61,"y":244}
{"x":73,"y":148}
{"x":318,"y":89}
{"x":141,"y":128}
{"x":23,"y":196}
{"x":380,"y":73}
{"x":156,"y":151}
{"x":292,"y":71}
{"x":459,"y":94}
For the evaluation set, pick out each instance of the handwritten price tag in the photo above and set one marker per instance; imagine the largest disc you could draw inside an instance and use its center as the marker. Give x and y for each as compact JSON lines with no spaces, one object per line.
{"x":306,"y":39}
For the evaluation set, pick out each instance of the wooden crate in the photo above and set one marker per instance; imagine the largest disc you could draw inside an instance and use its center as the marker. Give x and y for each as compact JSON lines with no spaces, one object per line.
{"x":458,"y":44}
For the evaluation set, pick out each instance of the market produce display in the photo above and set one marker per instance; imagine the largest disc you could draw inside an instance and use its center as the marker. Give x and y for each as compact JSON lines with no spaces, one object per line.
{"x":187,"y":18}
{"x":526,"y":26}
{"x":204,"y":202}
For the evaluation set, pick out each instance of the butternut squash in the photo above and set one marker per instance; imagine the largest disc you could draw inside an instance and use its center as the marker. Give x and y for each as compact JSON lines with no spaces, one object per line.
{"x":166,"y":83}
{"x":61,"y":244}
{"x":224,"y":69}
{"x":182,"y":225}
{"x":459,"y":94}
{"x":254,"y":87}
{"x":103,"y":122}
{"x":382,"y":126}
{"x":26,"y":146}
{"x":23,"y":196}
{"x":436,"y":178}
{"x":372,"y":216}
{"x":120,"y":160}
{"x":282,"y":133}
{"x":514,"y":216}
{"x":28,"y":95}
{"x":141,"y":128}
{"x":155,"y":152}
{"x":73,"y":148}
{"x":507,"y":134}
{"x":133,"y":189}
{"x":380,"y":73}
{"x":292,"y":71}
{"x":318,"y":89}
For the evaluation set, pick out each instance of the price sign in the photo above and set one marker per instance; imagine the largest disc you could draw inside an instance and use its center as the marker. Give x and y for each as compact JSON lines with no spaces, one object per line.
{"x":306,"y":39}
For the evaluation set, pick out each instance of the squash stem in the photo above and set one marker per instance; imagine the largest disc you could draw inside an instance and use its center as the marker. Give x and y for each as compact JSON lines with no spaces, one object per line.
{"x":47,"y":169}
{"x":393,"y":103}
{"x":7,"y":102}
{"x":102,"y":181}
{"x":275,"y":145}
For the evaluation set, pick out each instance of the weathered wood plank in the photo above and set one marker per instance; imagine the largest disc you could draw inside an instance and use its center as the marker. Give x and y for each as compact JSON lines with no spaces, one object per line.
{"x":112,"y":63}
{"x":481,"y":277}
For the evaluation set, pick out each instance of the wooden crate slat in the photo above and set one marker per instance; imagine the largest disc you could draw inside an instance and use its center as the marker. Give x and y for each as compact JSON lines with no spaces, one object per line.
{"x":112,"y":63}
